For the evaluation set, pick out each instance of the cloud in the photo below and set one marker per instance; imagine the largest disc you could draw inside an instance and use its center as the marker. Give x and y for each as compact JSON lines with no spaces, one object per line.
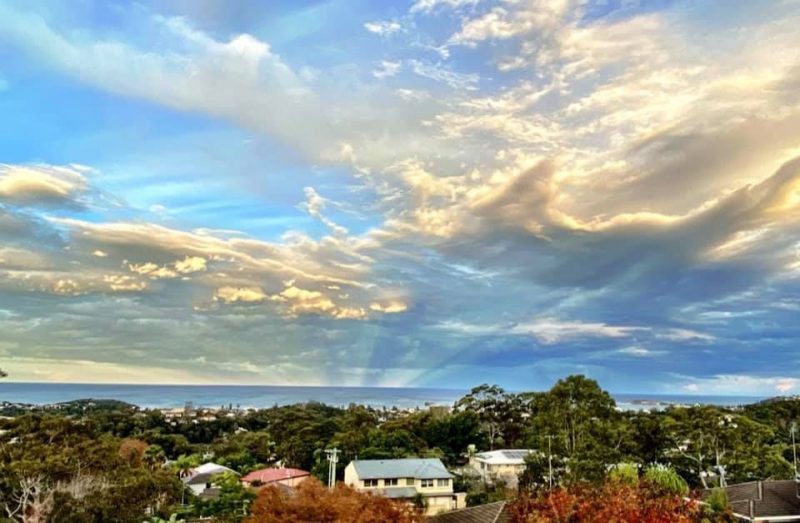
{"x":639,"y":352}
{"x":240,"y":295}
{"x":302,"y":301}
{"x":387,"y":69}
{"x":389,"y":307}
{"x":547,"y":331}
{"x":41,"y":185}
{"x":741,"y":385}
{"x":315,"y":204}
{"x":383,"y":27}
{"x":427,"y":6}
{"x":191,"y":264}
{"x":551,"y":330}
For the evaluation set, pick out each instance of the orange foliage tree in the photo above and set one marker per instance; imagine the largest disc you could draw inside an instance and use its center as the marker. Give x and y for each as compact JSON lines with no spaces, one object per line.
{"x":611,"y":502}
{"x":132,"y":451}
{"x":312,"y":502}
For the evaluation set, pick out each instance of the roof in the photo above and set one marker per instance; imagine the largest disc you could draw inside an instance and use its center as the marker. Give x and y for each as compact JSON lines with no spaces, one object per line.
{"x":764,"y":499}
{"x":205,"y":472}
{"x":271,"y":475}
{"x":504,"y":456}
{"x":418,"y":468}
{"x":489,"y":513}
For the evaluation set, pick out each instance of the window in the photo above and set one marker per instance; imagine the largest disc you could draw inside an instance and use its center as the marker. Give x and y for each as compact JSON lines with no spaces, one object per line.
{"x":442,"y":482}
{"x":427,"y":483}
{"x":409,"y":482}
{"x":370,"y":482}
{"x":390,"y":482}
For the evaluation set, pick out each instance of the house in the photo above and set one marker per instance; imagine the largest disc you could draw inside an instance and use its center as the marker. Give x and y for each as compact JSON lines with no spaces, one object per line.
{"x":407,"y":479}
{"x":501,"y":465}
{"x":496,"y":512}
{"x":200,"y":480}
{"x":275,"y":476}
{"x":764,"y":501}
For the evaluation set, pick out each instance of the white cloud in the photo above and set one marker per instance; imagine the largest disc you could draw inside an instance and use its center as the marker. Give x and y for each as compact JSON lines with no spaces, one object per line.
{"x":440,"y":73}
{"x":551,"y":330}
{"x":240,"y":295}
{"x":41,"y":184}
{"x":427,"y":6}
{"x":383,"y":28}
{"x":685,"y":335}
{"x":387,"y":69}
{"x":639,"y":351}
{"x":740,"y":385}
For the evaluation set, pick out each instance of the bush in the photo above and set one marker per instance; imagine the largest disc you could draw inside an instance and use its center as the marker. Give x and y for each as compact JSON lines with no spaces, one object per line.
{"x":313,"y":502}
{"x":624,"y":473}
{"x":611,"y":501}
{"x":666,"y":480}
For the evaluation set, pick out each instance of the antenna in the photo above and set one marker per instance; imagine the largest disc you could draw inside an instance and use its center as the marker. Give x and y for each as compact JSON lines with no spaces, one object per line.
{"x":333,"y":459}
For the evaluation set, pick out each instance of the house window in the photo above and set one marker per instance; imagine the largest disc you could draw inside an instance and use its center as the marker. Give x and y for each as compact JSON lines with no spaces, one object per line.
{"x":442,"y":482}
{"x":370,"y":482}
{"x":427,"y":483}
{"x":390,"y":482}
{"x":409,"y":482}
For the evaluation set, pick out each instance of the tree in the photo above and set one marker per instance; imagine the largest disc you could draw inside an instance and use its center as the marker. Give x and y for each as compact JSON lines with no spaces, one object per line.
{"x":232,"y":502}
{"x":708,"y":441}
{"x":500,"y":413}
{"x":609,"y":501}
{"x":132,"y":452}
{"x":586,"y":430}
{"x":313,"y":502}
{"x":154,"y":456}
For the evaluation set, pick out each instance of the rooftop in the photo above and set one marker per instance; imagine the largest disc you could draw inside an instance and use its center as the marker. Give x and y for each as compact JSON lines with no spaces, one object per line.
{"x":504,"y":456}
{"x":271,"y":475}
{"x":489,"y":513}
{"x":764,"y":500}
{"x":419,"y":468}
{"x":205,"y":472}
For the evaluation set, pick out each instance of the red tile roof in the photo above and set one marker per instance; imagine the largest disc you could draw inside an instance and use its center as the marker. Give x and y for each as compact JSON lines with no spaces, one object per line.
{"x":271,"y":475}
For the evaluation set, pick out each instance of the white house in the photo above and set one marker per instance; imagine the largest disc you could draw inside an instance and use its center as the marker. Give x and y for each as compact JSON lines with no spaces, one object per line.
{"x":407,"y":479}
{"x":201,"y":479}
{"x":504,"y":465}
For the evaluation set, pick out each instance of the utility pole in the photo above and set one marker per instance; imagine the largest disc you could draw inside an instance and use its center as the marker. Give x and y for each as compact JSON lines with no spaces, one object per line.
{"x":550,"y":459}
{"x":794,"y":449}
{"x":333,"y":459}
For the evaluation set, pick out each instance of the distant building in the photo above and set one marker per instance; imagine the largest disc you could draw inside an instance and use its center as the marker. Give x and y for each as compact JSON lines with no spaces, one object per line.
{"x":201,"y":479}
{"x":407,"y":479}
{"x":764,"y":501}
{"x":275,"y":476}
{"x":500,"y":465}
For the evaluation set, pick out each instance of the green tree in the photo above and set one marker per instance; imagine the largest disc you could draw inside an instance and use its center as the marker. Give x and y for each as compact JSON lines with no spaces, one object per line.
{"x":578,"y":422}
{"x":231,"y":504}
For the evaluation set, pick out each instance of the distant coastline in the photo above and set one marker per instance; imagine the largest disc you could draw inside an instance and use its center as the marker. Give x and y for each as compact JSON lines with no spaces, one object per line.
{"x":261,"y":396}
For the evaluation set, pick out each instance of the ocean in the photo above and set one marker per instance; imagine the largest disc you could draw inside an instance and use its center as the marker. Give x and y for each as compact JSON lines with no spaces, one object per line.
{"x":245,"y":396}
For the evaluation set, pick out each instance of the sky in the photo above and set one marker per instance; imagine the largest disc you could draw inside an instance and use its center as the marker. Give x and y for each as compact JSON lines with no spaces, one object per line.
{"x":427,"y":193}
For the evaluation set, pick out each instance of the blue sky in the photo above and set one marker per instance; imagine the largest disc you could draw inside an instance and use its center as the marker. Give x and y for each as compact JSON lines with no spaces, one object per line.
{"x":422,"y":193}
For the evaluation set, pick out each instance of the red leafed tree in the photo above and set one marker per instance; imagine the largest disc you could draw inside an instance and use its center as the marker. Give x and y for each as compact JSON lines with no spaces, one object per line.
{"x":313,"y":502}
{"x":610,"y":502}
